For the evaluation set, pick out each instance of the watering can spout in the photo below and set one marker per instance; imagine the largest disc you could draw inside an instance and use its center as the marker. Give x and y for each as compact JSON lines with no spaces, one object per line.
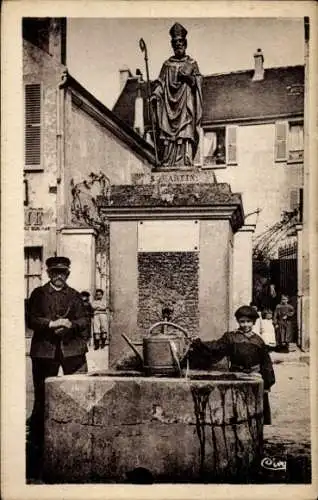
{"x":131,"y":345}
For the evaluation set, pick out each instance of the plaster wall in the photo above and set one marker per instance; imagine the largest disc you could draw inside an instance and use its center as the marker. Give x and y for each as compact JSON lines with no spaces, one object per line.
{"x":79,"y":246}
{"x":264,"y":183}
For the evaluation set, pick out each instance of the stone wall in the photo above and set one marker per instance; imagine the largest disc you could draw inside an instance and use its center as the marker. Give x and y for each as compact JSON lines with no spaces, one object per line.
{"x":168,"y":278}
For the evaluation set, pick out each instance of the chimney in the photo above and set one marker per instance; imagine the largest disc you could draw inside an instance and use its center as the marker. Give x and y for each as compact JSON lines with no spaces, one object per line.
{"x":57,"y":39}
{"x":139,"y":125}
{"x":258,"y":68}
{"x":124,"y":74}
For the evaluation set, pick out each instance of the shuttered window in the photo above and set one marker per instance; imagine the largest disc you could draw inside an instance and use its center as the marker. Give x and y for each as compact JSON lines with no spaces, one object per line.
{"x":281,"y":131}
{"x":32,"y":269}
{"x":296,"y":142}
{"x":33,"y":126}
{"x":294,"y":199}
{"x":231,"y":145}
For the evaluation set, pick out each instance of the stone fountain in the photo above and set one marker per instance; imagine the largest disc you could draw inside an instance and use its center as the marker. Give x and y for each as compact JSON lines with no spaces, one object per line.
{"x":104,"y":428}
{"x":171,"y":239}
{"x":174,"y":241}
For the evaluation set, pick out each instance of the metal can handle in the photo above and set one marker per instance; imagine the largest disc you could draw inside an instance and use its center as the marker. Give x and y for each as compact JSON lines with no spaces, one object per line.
{"x":168,"y":323}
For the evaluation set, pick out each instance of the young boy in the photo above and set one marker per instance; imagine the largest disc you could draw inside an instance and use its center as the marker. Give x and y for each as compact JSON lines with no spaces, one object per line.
{"x":245,"y":350}
{"x":282,"y":321}
{"x":100,"y":320}
{"x":89,"y":311}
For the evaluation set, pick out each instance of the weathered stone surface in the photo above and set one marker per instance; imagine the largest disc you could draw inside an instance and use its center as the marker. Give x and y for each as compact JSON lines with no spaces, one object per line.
{"x":168,"y":277}
{"x":98,"y":429}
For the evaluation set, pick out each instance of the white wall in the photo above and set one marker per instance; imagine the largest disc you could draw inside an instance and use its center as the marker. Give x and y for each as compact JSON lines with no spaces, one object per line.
{"x":263,"y":183}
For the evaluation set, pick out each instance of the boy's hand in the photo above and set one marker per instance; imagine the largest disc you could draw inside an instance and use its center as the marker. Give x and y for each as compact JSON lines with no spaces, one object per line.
{"x":195,"y":341}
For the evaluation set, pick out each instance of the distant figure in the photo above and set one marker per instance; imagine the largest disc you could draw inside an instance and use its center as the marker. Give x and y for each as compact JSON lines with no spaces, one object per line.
{"x":177,"y":102}
{"x":100,"y":320}
{"x":89,"y":311}
{"x":58,"y":319}
{"x":245,"y":350}
{"x":219,"y":154}
{"x":267,"y":330}
{"x":283,"y":323}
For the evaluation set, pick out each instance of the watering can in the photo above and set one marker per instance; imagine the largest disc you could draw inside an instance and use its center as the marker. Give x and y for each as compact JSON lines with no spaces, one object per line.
{"x":163,"y":352}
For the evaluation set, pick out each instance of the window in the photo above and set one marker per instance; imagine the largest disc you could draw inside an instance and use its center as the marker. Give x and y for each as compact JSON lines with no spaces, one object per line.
{"x":26,"y":192}
{"x":219,"y":146}
{"x":289,"y":141}
{"x":32,"y":269}
{"x":32,"y":127}
{"x":296,"y":202}
{"x":296,"y":142}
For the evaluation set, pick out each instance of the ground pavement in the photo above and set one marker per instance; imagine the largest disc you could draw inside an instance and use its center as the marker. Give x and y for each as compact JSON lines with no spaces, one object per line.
{"x":289,"y":435}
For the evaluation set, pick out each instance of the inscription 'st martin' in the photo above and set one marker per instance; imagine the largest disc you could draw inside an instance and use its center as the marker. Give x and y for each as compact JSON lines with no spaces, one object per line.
{"x":177,"y":104}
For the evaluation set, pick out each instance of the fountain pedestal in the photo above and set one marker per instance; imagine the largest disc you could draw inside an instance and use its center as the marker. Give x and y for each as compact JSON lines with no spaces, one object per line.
{"x":170,"y":244}
{"x":102,"y":428}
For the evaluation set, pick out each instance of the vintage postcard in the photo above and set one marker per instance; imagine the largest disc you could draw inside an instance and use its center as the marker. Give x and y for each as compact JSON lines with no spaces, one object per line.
{"x":159,"y":238}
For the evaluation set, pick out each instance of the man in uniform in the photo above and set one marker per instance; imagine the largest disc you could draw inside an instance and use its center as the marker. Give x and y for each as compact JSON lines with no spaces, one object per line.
{"x":58,"y":318}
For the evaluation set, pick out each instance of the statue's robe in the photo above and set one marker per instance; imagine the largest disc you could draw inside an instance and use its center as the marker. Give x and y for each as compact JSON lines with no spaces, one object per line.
{"x":178,"y":111}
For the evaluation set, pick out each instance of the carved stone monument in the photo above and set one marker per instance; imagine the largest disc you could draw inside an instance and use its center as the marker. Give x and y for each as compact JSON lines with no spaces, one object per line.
{"x":177,"y":103}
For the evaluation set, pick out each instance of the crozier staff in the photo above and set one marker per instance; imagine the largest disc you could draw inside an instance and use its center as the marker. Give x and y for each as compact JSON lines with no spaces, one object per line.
{"x":58,"y":318}
{"x":177,"y":100}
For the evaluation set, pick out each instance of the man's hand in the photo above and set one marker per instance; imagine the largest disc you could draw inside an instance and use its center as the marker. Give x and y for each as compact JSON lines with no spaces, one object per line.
{"x":60,"y":323}
{"x":65,"y":322}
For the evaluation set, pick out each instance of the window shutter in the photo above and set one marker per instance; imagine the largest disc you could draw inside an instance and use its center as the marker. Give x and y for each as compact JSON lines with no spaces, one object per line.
{"x":33,"y":125}
{"x":294,"y":199}
{"x":231,"y":145}
{"x":281,"y":130}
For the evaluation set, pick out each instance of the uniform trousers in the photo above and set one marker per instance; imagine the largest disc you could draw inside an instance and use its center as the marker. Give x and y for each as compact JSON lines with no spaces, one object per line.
{"x":43,"y":368}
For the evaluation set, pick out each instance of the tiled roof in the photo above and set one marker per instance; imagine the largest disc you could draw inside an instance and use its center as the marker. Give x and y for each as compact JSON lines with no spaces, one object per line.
{"x":235,"y":96}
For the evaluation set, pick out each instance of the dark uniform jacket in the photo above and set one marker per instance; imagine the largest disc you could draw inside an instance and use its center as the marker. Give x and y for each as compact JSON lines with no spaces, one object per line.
{"x":48,"y":304}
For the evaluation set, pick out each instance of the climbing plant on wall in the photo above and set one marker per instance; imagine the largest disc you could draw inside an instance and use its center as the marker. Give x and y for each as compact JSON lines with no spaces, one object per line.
{"x":265,"y":245}
{"x":85,"y":212}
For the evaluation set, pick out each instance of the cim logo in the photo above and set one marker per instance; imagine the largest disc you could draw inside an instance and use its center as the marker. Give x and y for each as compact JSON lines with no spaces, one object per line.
{"x":272,"y":463}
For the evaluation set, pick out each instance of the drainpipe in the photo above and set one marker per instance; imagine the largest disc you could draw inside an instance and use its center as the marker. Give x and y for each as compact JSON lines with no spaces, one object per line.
{"x":60,"y":171}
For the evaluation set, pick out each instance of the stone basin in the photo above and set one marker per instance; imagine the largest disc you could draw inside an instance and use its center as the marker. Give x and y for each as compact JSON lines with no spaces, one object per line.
{"x":124,"y":427}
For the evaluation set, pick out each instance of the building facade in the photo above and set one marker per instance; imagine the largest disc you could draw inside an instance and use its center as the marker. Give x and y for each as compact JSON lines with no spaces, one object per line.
{"x":69,"y":137}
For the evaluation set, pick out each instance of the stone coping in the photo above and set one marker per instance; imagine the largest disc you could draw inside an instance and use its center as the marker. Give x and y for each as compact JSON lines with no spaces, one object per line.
{"x":127,"y":195}
{"x":181,"y":201}
{"x":223,"y":378}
